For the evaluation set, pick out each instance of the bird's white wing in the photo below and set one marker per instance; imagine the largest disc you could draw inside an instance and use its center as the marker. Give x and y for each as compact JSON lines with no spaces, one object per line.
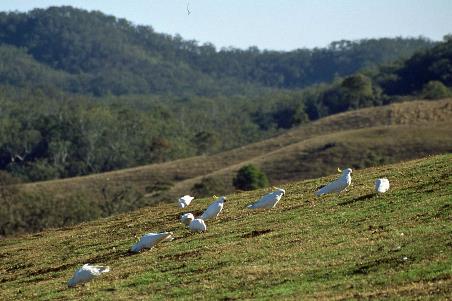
{"x":146,"y":241}
{"x":335,"y":186}
{"x":82,"y":275}
{"x":86,"y":273}
{"x":149,"y":240}
{"x":267,"y":201}
{"x":198,"y":225}
{"x":185,"y":201}
{"x":212,"y":211}
{"x":382,"y":185}
{"x":99,"y":269}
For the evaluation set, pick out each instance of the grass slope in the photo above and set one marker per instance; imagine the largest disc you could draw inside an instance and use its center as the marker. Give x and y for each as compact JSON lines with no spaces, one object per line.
{"x":352,"y":246}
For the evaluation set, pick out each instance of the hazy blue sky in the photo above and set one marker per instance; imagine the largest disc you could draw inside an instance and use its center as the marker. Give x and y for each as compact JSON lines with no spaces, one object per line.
{"x":273,"y":24}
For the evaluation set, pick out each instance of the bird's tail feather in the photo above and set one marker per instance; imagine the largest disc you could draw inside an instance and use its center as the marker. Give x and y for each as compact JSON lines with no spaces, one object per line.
{"x":135,"y":248}
{"x":105,"y":269}
{"x":169,"y":236}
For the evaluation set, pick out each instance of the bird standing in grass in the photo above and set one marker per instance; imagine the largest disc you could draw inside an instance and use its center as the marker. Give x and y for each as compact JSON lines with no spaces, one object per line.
{"x":186,"y":218}
{"x":185,"y":201}
{"x":269,"y":200}
{"x":86,"y":273}
{"x":214,"y":209}
{"x":198,"y":225}
{"x":339,"y":185}
{"x":149,"y":240}
{"x":382,"y":185}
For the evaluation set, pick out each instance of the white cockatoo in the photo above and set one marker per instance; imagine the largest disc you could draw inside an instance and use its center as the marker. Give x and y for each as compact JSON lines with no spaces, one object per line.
{"x":149,"y":240}
{"x":269,"y":200}
{"x":86,"y":273}
{"x":185,"y":201}
{"x":186,"y":218}
{"x":214,"y":209}
{"x":382,"y":185}
{"x":339,"y":185}
{"x":197,"y":225}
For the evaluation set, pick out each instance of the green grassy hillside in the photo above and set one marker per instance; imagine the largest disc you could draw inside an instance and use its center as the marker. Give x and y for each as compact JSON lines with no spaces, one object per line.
{"x":356,"y":245}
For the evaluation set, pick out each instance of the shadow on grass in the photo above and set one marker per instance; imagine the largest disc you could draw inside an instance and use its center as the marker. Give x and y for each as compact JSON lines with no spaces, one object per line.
{"x":358,"y":199}
{"x":375,"y":265}
{"x":256,"y":233}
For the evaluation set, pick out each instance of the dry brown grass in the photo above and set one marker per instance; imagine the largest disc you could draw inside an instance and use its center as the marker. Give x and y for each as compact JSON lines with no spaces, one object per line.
{"x":322,"y":154}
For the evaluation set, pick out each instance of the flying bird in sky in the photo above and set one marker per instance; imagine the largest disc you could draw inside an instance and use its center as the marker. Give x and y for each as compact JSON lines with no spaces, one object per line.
{"x":188,"y":8}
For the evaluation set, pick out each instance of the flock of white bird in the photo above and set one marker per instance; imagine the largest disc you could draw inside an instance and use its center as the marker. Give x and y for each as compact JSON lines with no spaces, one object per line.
{"x":149,"y":240}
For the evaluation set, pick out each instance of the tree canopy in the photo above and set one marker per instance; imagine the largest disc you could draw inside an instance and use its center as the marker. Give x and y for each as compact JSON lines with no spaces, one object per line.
{"x":93,"y":53}
{"x":83,"y":92}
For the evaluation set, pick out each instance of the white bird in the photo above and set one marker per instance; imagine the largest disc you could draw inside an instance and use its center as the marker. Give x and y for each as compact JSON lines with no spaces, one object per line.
{"x":269,"y":200}
{"x":339,"y":185}
{"x":382,"y":185}
{"x":149,"y":240}
{"x":214,"y":209}
{"x":185,"y":201}
{"x":86,"y":273}
{"x":198,"y":225}
{"x":187,"y":218}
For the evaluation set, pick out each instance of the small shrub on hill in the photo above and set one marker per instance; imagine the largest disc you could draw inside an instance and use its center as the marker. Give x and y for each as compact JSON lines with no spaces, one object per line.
{"x":435,"y":90}
{"x":249,"y":177}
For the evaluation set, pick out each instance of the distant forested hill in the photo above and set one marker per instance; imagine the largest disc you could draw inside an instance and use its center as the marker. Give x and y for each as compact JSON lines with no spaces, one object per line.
{"x":428,"y":72}
{"x":93,"y":53}
{"x":82,"y":92}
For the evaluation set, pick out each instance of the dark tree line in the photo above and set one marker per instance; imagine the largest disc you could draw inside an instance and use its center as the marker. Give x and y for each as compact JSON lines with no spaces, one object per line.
{"x":92,"y":53}
{"x":413,"y":74}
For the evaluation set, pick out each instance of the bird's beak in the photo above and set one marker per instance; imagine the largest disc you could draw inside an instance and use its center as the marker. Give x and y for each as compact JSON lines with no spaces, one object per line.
{"x":339,"y":170}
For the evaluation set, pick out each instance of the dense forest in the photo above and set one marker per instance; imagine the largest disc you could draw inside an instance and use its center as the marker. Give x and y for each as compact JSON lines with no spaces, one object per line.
{"x":82,"y":92}
{"x":92,"y":53}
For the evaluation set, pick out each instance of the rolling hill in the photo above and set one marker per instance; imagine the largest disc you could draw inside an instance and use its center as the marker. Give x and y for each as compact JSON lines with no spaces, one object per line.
{"x":386,"y":125}
{"x":356,"y":245}
{"x":358,"y":139}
